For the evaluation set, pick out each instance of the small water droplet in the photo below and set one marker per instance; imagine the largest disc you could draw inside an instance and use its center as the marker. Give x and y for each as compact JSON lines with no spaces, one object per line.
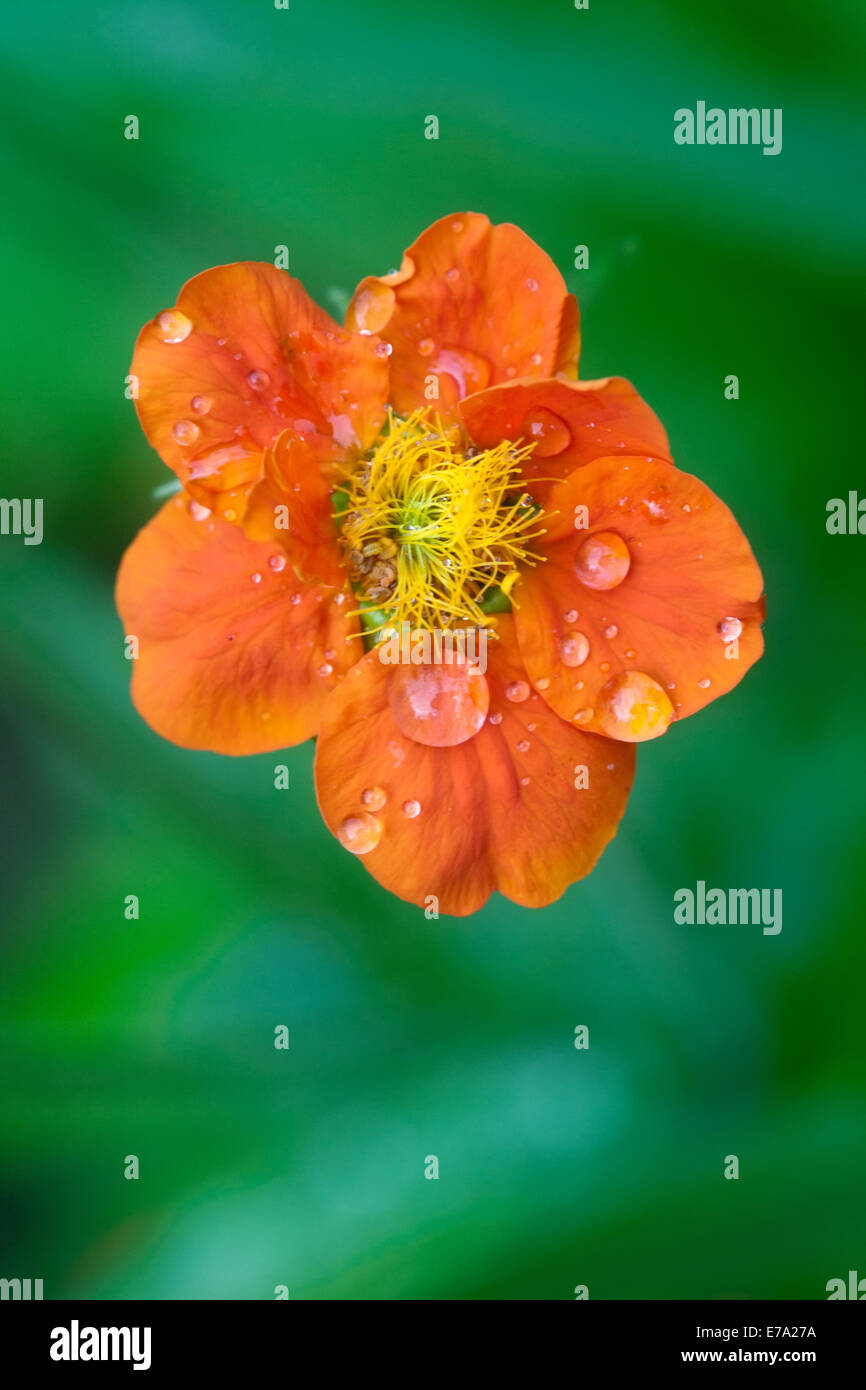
{"x":173,"y":326}
{"x":326,"y":669}
{"x":573,"y":648}
{"x":277,"y":563}
{"x":229,"y":514}
{"x":584,"y":715}
{"x":457,"y":226}
{"x":543,"y":683}
{"x":611,"y":631}
{"x":426,"y":346}
{"x":495,"y":718}
{"x":411,"y":809}
{"x":374,"y":798}
{"x":604,"y":666}
{"x":198,"y":512}
{"x":531,"y":285}
{"x":185,"y":432}
{"x":536,"y":359}
{"x":383,"y":349}
{"x":256,"y":578}
{"x":452,"y":275}
{"x":258,"y":380}
{"x":571,"y":616}
{"x":729,"y":629}
{"x":524,"y":781}
{"x":704,"y":683}
{"x":517,"y":692}
{"x":201,"y":404}
{"x":359,"y":834}
{"x":630,"y":654}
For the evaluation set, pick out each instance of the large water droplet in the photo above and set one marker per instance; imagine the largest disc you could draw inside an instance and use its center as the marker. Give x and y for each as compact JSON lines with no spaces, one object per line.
{"x":173,"y":326}
{"x":470,"y":371}
{"x":547,"y":431}
{"x":372,"y":308}
{"x":359,"y":834}
{"x":439,"y":705}
{"x":573,"y":648}
{"x":634,"y":707}
{"x":602,"y":560}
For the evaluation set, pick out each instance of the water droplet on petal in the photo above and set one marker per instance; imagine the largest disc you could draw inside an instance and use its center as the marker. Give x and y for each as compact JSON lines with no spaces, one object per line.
{"x":536,"y":359}
{"x":374,"y":798}
{"x":571,"y":616}
{"x":705,"y":683}
{"x":201,"y":404}
{"x":326,"y":669}
{"x":517,"y":692}
{"x":277,"y":563}
{"x":611,"y":631}
{"x":524,"y":745}
{"x":496,"y":718}
{"x":531,"y":285}
{"x":383,"y":349}
{"x":452,"y":275}
{"x":602,"y":560}
{"x":258,"y":380}
{"x":548,"y":431}
{"x":256,"y":578}
{"x":584,"y":715}
{"x":630,"y":654}
{"x":173,"y":326}
{"x":524,"y":781}
{"x":634,"y":707}
{"x":543,"y":683}
{"x":573,"y":648}
{"x":185,"y":432}
{"x":439,"y":705}
{"x":359,"y":834}
{"x":372,"y":308}
{"x":411,"y":809}
{"x":469,"y":370}
{"x":457,"y":227}
{"x":426,"y":346}
{"x":198,"y":512}
{"x":730,"y":629}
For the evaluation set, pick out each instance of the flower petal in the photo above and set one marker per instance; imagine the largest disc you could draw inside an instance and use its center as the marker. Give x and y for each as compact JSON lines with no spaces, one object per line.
{"x":498,"y":811}
{"x":670,"y":590}
{"x":472,"y":305}
{"x":244,"y":355}
{"x":235,"y":654}
{"x":293,"y":507}
{"x":572,"y":422}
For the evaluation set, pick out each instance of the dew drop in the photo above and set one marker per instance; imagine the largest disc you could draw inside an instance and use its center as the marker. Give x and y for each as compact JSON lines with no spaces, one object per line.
{"x":517,"y":692}
{"x":495,"y":718}
{"x":439,"y":706}
{"x":383,"y":349}
{"x":584,"y":715}
{"x":326,"y":669}
{"x":602,"y":560}
{"x":571,"y":616}
{"x":373,"y":798}
{"x":411,"y":809}
{"x":524,"y":745}
{"x":185,"y":432}
{"x":611,"y":631}
{"x":524,"y":781}
{"x":256,"y":578}
{"x":543,"y":684}
{"x":705,"y":683}
{"x":729,"y":628}
{"x":359,"y":834}
{"x":531,"y":285}
{"x":201,"y":404}
{"x":258,"y":380}
{"x":198,"y":512}
{"x":634,"y":707}
{"x":452,"y":275}
{"x":573,"y":648}
{"x":173,"y":326}
{"x":426,"y":346}
{"x":277,"y":563}
{"x":548,"y":431}
{"x":372,"y":308}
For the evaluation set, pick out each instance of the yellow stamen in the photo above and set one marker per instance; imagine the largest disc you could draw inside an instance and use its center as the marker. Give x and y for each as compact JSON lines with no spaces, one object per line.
{"x":430,"y":527}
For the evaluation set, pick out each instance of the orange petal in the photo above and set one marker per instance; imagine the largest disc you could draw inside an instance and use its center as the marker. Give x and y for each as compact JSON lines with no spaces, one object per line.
{"x":661,"y":588}
{"x":244,"y":355}
{"x":293,"y":507}
{"x":472,"y":305}
{"x":235,"y":655}
{"x":497,"y":810}
{"x":571,"y":422}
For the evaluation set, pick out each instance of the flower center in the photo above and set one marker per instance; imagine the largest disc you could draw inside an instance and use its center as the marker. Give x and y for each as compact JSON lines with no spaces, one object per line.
{"x":433,"y":527}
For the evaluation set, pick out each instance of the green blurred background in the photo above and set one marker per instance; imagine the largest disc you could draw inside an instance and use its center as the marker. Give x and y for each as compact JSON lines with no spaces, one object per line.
{"x":408,"y":1037}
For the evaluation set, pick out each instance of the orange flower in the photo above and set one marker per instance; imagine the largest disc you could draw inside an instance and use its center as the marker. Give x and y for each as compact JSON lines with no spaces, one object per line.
{"x":477,"y":579}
